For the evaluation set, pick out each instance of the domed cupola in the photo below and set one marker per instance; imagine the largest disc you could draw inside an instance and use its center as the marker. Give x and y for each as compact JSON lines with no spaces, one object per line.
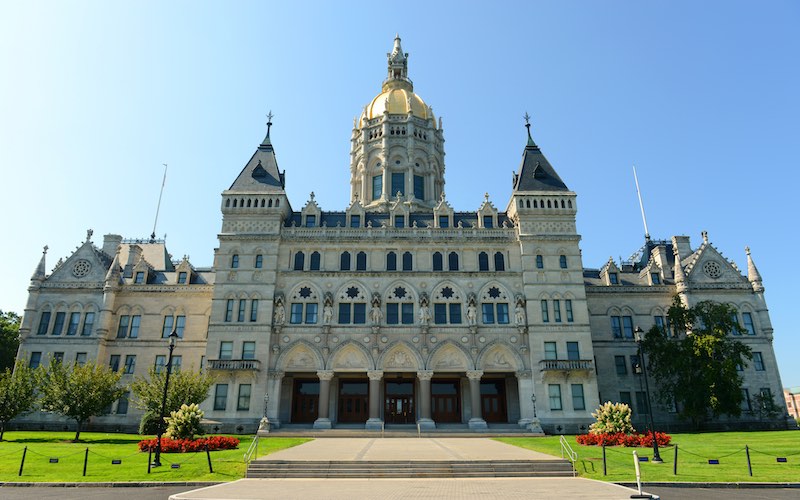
{"x":397,"y":146}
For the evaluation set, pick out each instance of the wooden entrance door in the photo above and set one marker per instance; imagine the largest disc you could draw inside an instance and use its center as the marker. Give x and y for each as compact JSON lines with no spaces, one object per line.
{"x":353,"y":400}
{"x":399,"y":402}
{"x":446,"y":401}
{"x":493,"y":400}
{"x":305,"y":401}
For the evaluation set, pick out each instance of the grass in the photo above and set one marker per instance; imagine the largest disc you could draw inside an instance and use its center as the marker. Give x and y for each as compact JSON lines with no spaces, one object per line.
{"x":694,"y":451}
{"x":103,"y":448}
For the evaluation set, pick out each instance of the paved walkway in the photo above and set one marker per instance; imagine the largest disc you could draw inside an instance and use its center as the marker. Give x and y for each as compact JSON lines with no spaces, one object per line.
{"x":376,"y":449}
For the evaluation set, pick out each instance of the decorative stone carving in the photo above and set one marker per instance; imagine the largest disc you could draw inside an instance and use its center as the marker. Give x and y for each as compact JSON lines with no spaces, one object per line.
{"x":279,"y":317}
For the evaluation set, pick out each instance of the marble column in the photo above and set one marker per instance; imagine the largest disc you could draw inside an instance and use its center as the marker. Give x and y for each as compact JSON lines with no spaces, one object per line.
{"x":374,"y":421}
{"x":425,"y":421}
{"x":477,"y":421}
{"x":323,"y":418}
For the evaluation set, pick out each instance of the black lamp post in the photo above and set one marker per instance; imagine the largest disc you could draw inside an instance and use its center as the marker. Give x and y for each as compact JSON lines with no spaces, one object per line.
{"x":173,"y":337}
{"x":638,"y":332}
{"x":533,"y":400}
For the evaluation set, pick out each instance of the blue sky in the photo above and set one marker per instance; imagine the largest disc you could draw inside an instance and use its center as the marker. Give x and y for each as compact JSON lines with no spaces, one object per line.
{"x":701,"y":96}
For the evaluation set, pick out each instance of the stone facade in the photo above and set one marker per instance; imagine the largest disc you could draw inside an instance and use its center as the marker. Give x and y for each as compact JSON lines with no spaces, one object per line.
{"x":397,"y":309}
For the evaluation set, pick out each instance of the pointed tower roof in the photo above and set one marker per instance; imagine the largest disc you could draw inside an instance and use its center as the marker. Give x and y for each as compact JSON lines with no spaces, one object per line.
{"x":535,"y":172}
{"x":397,"y":68}
{"x":41,"y":270}
{"x":753,"y":276}
{"x":114,"y":270}
{"x":261,"y":173}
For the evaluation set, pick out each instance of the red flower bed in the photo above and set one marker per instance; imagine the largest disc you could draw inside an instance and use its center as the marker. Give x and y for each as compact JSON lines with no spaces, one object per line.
{"x":621,"y":439}
{"x":169,"y":445}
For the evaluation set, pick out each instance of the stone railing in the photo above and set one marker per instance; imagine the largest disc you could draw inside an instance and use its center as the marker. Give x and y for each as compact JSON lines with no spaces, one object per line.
{"x":502,"y":233}
{"x":234,"y":364}
{"x":566,"y":364}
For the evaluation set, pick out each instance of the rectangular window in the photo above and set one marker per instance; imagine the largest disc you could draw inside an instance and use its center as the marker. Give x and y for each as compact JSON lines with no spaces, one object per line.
{"x":550,"y":351}
{"x":642,"y":405}
{"x":180,"y":325}
{"x":758,"y":362}
{"x":80,"y":358}
{"x":398,"y":184}
{"x":344,"y":314}
{"x":229,"y":310}
{"x":242,"y":309}
{"x":221,"y":396}
{"x":161,"y":362}
{"x":455,"y":314}
{"x":166,"y":329}
{"x":355,"y":221}
{"x":627,"y":327}
{"x":296,"y":315}
{"x":502,"y":314}
{"x":488,"y":313}
{"x":254,"y":310}
{"x":619,"y":363}
{"x":578,"y":402}
{"x":616,"y":327}
{"x":539,"y":262}
{"x":625,"y":397}
{"x":226,"y":349}
{"x":139,"y":277}
{"x":488,"y":222}
{"x":58,"y":357}
{"x":136,"y":320}
{"x":554,"y":394}
{"x":182,"y":278}
{"x":656,"y":278}
{"x":122,"y":403}
{"x":44,"y":323}
{"x":74,"y":323}
{"x":248,"y":350}
{"x":444,"y":221}
{"x":562,"y":261}
{"x":400,"y":221}
{"x":440,"y":314}
{"x":747,"y":318}
{"x":88,"y":324}
{"x":377,"y":187}
{"x":311,"y":314}
{"x":746,"y":400}
{"x":113,"y":362}
{"x":130,"y":364}
{"x":557,"y":311}
{"x":359,"y":313}
{"x":58,"y":325}
{"x":408,"y":314}
{"x":568,"y":307}
{"x":36,"y":359}
{"x":545,"y":314}
{"x":392,"y":313}
{"x":259,"y":261}
{"x":613,"y":278}
{"x":177,"y":361}
{"x":419,"y":187}
{"x":122,"y":328}
{"x":659,"y":321}
{"x":311,"y":220}
{"x":573,"y":351}
{"x":243,"y":402}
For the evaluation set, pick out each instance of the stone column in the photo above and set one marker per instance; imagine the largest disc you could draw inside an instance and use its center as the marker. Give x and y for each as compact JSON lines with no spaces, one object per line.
{"x":323,"y":421}
{"x":425,"y":421}
{"x":477,"y":421}
{"x":374,"y":422}
{"x":272,"y":403}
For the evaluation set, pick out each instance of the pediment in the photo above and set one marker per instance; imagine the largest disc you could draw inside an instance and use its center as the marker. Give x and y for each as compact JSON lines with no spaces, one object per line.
{"x":709,"y":267}
{"x":83,"y":266}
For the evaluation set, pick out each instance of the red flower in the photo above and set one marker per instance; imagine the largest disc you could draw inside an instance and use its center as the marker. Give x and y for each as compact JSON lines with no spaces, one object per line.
{"x":169,"y":445}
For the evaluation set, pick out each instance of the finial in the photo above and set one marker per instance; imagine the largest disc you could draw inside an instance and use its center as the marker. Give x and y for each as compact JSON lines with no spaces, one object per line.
{"x":705,"y":236}
{"x":486,"y":197}
{"x":269,"y":121}
{"x":46,"y":248}
{"x":312,"y":196}
{"x":746,"y":250}
{"x":527,"y":118}
{"x":89,"y":234}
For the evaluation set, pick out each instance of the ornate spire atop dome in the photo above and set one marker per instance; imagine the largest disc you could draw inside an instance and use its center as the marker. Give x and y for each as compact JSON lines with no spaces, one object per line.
{"x":398,"y":68}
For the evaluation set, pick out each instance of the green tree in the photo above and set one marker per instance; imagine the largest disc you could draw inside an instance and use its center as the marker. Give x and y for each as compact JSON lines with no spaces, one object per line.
{"x":695,"y":363}
{"x":185,"y":387}
{"x":9,"y":338}
{"x":78,"y":391}
{"x":17,"y":393}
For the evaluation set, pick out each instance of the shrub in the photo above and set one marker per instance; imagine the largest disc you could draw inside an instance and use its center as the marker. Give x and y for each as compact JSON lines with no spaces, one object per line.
{"x":612,"y":418}
{"x":149,"y":423}
{"x":622,"y":439}
{"x":190,"y":445}
{"x":185,"y":423}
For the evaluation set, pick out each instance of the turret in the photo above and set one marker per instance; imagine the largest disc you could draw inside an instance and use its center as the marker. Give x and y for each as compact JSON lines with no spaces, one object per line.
{"x":753,"y":276}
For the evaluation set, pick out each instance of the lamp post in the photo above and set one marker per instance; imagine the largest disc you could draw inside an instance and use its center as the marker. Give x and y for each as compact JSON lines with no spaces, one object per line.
{"x":639,"y":338}
{"x":173,"y":337}
{"x":533,"y":400}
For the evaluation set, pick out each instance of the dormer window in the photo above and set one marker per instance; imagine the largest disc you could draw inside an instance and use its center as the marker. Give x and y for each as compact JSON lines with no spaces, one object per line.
{"x":399,"y":221}
{"x":613,"y":278}
{"x":655,"y":278}
{"x":311,"y":220}
{"x":444,"y":221}
{"x":355,"y":221}
{"x":139,"y":277}
{"x":487,"y":221}
{"x":182,"y":277}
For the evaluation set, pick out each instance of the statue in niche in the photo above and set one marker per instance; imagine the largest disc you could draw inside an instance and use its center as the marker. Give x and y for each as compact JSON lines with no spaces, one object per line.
{"x":424,"y":311}
{"x":472,"y":311}
{"x":519,"y":312}
{"x":327,"y":309}
{"x":280,"y":311}
{"x":375,"y":314}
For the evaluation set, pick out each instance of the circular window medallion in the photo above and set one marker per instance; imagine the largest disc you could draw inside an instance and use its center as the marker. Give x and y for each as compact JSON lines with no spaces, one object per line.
{"x":81,"y":268}
{"x":712,"y":269}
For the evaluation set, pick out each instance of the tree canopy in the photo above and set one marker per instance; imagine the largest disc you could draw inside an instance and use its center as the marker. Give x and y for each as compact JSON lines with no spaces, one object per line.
{"x":17,"y":393}
{"x":9,"y":338}
{"x":78,"y":391}
{"x":695,"y":361}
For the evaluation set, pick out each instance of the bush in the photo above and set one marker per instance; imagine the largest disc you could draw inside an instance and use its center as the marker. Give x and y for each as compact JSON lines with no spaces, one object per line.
{"x":185,"y":423}
{"x":612,"y":418}
{"x":149,"y":423}
{"x":622,"y":439}
{"x":168,"y":445}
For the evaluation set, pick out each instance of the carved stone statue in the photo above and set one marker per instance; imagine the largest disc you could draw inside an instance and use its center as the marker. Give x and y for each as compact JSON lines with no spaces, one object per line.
{"x":519,"y":312}
{"x":280,"y":311}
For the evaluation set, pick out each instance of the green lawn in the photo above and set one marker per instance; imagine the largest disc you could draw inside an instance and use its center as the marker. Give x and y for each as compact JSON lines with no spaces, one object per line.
{"x":103,"y":448}
{"x":694,"y":451}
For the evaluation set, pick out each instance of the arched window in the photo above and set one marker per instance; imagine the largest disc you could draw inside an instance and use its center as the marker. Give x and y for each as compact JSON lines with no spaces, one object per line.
{"x":344,"y":261}
{"x":304,"y":306}
{"x":227,"y":203}
{"x":483,"y":261}
{"x":352,"y":306}
{"x":234,"y":261}
{"x":391,"y":261}
{"x":269,"y":204}
{"x":562,"y":260}
{"x":315,"y":258}
{"x":437,"y":261}
{"x":407,"y":261}
{"x":452,"y":261}
{"x":535,"y":205}
{"x":499,"y":262}
{"x":299,"y":261}
{"x":446,"y":306}
{"x":399,"y":306}
{"x":539,"y":262}
{"x":361,"y":261}
{"x":494,"y":306}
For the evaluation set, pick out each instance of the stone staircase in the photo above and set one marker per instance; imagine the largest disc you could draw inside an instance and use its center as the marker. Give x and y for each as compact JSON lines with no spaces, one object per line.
{"x":264,"y":468}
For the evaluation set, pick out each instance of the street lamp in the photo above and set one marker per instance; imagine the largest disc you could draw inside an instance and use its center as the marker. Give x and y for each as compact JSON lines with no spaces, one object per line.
{"x":639,"y":338}
{"x":533,"y":400}
{"x":173,"y":337}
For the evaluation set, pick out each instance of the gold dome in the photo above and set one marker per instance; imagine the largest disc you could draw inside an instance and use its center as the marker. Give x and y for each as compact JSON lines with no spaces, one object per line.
{"x":397,"y":101}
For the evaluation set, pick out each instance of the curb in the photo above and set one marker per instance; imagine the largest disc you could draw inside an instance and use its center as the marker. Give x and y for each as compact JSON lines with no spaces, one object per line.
{"x":132,"y":484}
{"x":711,"y":485}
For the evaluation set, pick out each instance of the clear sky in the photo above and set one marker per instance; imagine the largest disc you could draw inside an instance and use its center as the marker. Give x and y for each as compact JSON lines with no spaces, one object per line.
{"x":702,"y":96}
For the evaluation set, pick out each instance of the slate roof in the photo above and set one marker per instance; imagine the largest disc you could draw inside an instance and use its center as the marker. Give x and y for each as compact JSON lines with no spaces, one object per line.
{"x":261,"y":174}
{"x":536,"y":173}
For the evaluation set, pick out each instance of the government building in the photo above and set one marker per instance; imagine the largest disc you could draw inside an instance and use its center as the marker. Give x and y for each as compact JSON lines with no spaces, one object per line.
{"x":396,"y":309}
